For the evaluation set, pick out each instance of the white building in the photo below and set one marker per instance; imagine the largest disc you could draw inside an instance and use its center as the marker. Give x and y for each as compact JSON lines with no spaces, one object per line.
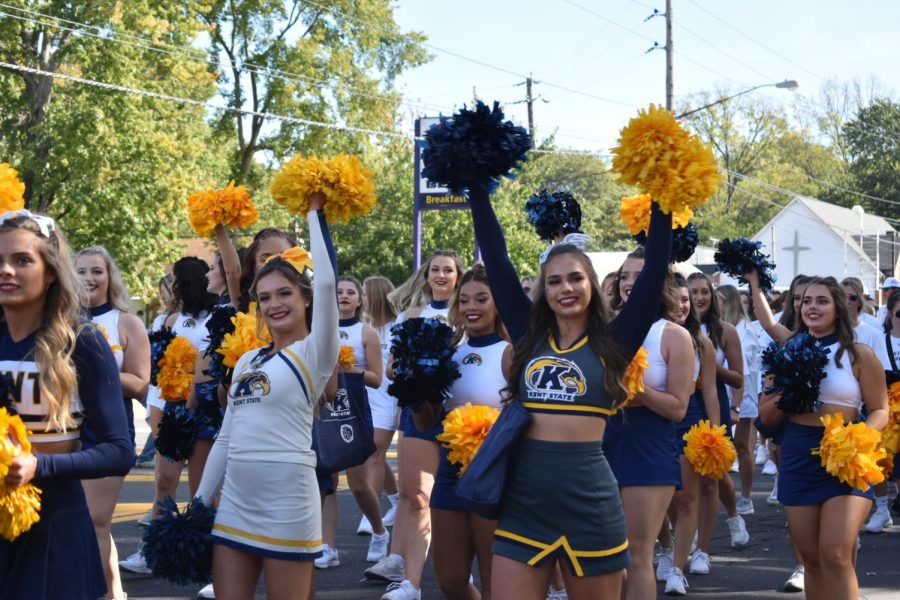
{"x":812,"y":237}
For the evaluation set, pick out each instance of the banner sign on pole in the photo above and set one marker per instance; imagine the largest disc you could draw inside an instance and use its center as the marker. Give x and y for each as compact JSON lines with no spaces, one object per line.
{"x":430,"y":196}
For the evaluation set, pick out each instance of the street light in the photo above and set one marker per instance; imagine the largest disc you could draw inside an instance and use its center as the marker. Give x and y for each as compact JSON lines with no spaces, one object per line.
{"x":787,"y":84}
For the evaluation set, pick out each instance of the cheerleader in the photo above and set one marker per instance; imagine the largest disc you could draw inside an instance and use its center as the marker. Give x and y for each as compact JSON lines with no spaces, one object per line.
{"x":367,"y":352}
{"x":744,"y":400}
{"x":269,"y":518}
{"x":72,"y":382}
{"x":640,"y":441}
{"x":418,"y":451}
{"x":107,"y":302}
{"x":266,"y":243}
{"x":561,"y":501}
{"x":703,"y":404}
{"x":460,"y":536}
{"x":729,"y":373}
{"x":824,"y":515}
{"x":873,"y":337}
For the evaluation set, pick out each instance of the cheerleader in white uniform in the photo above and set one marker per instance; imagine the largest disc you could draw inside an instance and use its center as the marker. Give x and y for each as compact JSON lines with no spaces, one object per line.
{"x":108,"y":307}
{"x":269,"y":517}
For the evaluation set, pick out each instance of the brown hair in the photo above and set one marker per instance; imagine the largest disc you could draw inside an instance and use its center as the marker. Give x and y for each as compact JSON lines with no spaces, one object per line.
{"x":416,"y":291}
{"x":712,"y":320}
{"x":299,"y":280}
{"x":248,"y":262}
{"x":116,"y":293}
{"x":478,"y":274}
{"x":359,"y":290}
{"x":789,"y":318}
{"x":843,"y":327}
{"x":734,"y":311}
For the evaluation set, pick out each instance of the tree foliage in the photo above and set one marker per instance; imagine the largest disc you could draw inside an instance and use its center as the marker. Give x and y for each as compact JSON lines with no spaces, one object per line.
{"x":873,"y":143}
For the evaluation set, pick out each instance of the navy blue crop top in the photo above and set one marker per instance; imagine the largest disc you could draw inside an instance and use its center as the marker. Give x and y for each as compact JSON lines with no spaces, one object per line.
{"x":97,"y":403}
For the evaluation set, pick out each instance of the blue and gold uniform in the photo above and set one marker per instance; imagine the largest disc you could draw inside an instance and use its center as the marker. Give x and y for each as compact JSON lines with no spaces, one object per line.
{"x":58,"y":557}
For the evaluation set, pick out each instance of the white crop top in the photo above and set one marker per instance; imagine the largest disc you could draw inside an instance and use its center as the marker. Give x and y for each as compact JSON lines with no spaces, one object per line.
{"x":840,"y":386}
{"x":720,"y":353}
{"x":480,"y":362}
{"x":194,"y":329}
{"x":109,"y":323}
{"x":351,"y":333}
{"x":657,"y":372}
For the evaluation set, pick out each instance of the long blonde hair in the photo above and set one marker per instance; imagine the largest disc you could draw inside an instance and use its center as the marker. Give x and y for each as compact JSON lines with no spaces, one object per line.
{"x":116,"y":293}
{"x":381,"y":310}
{"x":54,"y":340}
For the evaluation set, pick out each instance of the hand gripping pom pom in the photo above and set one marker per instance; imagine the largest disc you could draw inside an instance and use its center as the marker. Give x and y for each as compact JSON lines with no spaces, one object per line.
{"x":662,"y":159}
{"x":218,"y":325}
{"x":684,"y":242}
{"x":176,"y":370}
{"x":424,"y":368}
{"x":249,"y":334}
{"x":12,"y":191}
{"x":634,"y":374}
{"x":464,"y":430}
{"x":178,"y":545}
{"x":348,"y":186}
{"x":739,"y":255}
{"x":177,"y":429}
{"x":553,"y":214}
{"x":851,"y":452}
{"x":798,"y":368}
{"x":19,"y":506}
{"x":159,"y":341}
{"x":346,"y":357}
{"x":230,"y":206}
{"x":709,"y":450}
{"x":473,"y":148}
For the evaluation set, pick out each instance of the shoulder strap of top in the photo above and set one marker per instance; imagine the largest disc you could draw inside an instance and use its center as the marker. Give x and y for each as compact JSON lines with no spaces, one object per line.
{"x":890,"y":350}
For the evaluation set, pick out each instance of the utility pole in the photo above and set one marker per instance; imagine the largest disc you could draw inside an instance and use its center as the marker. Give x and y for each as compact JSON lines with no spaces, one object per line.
{"x":670,"y":51}
{"x":529,"y":98}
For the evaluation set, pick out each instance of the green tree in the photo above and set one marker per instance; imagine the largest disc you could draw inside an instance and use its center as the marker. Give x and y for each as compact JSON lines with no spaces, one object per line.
{"x":334,"y":62}
{"x":112,"y":167}
{"x":873,"y":143}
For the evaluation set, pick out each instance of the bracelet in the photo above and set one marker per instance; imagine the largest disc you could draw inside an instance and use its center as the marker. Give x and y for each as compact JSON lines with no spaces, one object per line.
{"x":736,"y":409}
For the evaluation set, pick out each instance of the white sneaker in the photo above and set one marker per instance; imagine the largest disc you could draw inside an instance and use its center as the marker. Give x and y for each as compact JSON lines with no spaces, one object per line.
{"x":879,"y":521}
{"x":391,"y":569}
{"x":389,"y":516}
{"x":769,"y":468}
{"x":402,"y":590}
{"x":665,"y":564}
{"x":744,"y":506}
{"x":146,"y":519}
{"x":135,"y":564}
{"x":207,"y":592}
{"x":676,"y":584}
{"x":365,"y":528}
{"x":694,"y":542}
{"x":739,"y":534}
{"x":555,"y":594}
{"x":378,"y":546}
{"x":795,"y":581}
{"x":699,"y":564}
{"x":772,"y":500}
{"x":762,"y":454}
{"x":329,"y":558}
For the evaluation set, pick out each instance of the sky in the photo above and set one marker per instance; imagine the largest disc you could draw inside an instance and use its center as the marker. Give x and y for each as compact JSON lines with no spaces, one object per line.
{"x":594,"y":72}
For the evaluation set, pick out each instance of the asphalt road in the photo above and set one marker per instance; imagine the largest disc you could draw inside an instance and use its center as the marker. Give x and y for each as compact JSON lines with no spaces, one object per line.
{"x":758,"y":570}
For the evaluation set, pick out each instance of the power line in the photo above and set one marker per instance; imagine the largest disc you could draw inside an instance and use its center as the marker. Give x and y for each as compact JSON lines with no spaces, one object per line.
{"x":774,"y":187}
{"x":723,"y":52}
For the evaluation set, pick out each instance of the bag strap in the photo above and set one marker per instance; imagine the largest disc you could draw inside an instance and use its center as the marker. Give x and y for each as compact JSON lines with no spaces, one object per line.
{"x":890,"y":351}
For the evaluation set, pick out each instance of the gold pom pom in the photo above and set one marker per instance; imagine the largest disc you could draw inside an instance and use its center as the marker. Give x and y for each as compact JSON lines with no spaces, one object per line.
{"x":298,"y":257}
{"x":634,"y":374}
{"x":851,"y":452}
{"x":709,"y":450}
{"x":230,"y":206}
{"x":12,"y":191}
{"x":346,"y":357}
{"x":347,"y":185}
{"x":19,"y":506}
{"x":663,"y":160}
{"x":105,"y":333}
{"x":635,"y":211}
{"x":249,"y":334}
{"x":176,"y":370}
{"x":464,"y":430}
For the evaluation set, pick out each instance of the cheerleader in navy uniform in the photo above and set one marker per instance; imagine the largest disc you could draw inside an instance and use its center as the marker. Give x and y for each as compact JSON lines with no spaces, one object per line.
{"x":71,"y":381}
{"x":418,"y":452}
{"x":108,"y":306}
{"x":269,"y":518}
{"x":824,"y":514}
{"x":483,"y":355}
{"x":640,"y":442}
{"x":367,"y":353}
{"x":561,"y":501}
{"x":730,"y":373}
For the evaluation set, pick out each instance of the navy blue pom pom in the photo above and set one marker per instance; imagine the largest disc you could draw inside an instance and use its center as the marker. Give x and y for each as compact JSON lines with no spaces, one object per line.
{"x":553,"y":214}
{"x":798,"y":368}
{"x":209,"y":413}
{"x":473,"y":147}
{"x":737,"y":256}
{"x":159,"y":341}
{"x":424,"y":368}
{"x":219,"y":325}
{"x":684,"y":242}
{"x":176,"y":432}
{"x":178,"y":545}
